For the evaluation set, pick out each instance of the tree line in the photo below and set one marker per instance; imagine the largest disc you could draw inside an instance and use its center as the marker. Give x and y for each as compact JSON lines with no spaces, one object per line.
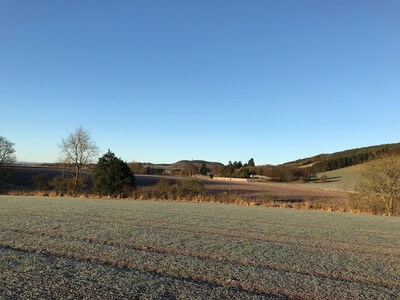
{"x":347,"y":158}
{"x":110,"y":176}
{"x":113,"y":177}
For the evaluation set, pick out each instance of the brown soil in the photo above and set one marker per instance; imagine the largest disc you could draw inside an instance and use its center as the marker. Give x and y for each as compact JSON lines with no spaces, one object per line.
{"x":275,"y":191}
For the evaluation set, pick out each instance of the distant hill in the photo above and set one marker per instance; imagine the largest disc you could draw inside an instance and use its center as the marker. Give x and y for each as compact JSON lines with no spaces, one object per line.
{"x":198,"y":163}
{"x":181,"y":164}
{"x":347,"y":158}
{"x":174,"y":168}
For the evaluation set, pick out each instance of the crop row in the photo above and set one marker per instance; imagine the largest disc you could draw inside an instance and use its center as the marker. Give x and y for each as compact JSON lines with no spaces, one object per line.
{"x":219,"y":267}
{"x":27,"y":275}
{"x":249,"y":250}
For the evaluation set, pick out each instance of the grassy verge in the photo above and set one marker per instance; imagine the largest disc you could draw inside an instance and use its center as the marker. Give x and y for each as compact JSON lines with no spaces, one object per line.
{"x":346,"y":202}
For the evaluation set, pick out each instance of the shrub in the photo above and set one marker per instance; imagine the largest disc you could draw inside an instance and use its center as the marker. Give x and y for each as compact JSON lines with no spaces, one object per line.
{"x":182,"y":190}
{"x":166,"y":189}
{"x":189,"y":189}
{"x":381,"y":180}
{"x":41,"y":182}
{"x":61,"y":185}
{"x":113,"y":177}
{"x":323,"y":178}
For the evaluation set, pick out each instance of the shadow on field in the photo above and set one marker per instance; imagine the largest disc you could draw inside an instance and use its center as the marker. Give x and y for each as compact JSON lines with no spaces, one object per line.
{"x":289,"y":200}
{"x":334,"y":179}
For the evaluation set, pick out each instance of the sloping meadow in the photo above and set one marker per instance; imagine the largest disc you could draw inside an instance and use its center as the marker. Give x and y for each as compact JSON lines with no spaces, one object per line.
{"x":115,"y":249}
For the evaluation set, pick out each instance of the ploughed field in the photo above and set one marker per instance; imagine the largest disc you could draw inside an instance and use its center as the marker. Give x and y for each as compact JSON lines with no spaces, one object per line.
{"x":281,"y":192}
{"x":116,"y":249}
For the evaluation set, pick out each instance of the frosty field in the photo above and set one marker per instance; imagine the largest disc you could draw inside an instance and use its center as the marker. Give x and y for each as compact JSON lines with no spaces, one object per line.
{"x":118,"y":249}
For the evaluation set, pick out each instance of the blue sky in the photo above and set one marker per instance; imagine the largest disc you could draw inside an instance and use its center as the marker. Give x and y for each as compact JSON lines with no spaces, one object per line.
{"x":161,"y":81}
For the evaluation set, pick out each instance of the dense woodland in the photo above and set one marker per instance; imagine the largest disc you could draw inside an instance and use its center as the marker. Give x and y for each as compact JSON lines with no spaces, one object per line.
{"x":337,"y":160}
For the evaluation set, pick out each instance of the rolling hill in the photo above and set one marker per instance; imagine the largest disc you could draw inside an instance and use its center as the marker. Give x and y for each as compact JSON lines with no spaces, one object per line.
{"x":343,"y":169}
{"x":328,"y":162}
{"x":344,"y":179}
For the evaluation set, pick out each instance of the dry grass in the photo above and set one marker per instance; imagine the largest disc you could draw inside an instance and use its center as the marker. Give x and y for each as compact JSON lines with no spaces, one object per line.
{"x":281,"y":195}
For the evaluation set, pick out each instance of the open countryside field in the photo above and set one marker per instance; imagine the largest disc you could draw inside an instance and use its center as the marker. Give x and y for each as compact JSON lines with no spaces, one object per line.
{"x":231,"y":190}
{"x":344,"y":179}
{"x":113,"y":249}
{"x":284,"y":192}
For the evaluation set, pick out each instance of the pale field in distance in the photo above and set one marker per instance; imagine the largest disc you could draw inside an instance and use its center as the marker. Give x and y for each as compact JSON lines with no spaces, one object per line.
{"x":344,"y":179}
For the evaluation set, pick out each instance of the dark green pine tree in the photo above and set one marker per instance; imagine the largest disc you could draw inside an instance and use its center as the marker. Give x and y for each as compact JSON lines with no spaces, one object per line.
{"x":113,"y":177}
{"x":251,"y":162}
{"x":203,"y":169}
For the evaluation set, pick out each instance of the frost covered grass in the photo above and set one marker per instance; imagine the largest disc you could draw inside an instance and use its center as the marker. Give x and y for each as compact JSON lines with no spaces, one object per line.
{"x":81,"y":248}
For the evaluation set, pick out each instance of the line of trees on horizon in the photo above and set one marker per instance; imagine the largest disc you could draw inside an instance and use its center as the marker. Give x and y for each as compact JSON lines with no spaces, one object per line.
{"x":111,"y":176}
{"x":328,"y":162}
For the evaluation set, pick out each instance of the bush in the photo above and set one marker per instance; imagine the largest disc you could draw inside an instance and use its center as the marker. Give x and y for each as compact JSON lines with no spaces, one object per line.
{"x":381,"y":180}
{"x":41,"y":182}
{"x":113,"y":177}
{"x":189,"y":189}
{"x":360,"y":202}
{"x":182,"y":190}
{"x":166,"y":189}
{"x":61,"y":185}
{"x":323,"y":178}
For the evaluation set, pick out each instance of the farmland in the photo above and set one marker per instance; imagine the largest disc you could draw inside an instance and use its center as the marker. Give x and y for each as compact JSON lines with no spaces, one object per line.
{"x":341,"y":179}
{"x":293,"y":195}
{"x":112,"y":249}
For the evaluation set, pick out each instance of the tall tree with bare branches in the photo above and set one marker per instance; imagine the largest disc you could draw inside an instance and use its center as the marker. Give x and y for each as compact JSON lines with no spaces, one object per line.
{"x":7,"y":151}
{"x":382,"y":179}
{"x":77,"y":150}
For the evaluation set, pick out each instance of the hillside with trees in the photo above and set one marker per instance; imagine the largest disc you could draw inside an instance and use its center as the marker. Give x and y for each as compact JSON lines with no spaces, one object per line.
{"x":182,"y":167}
{"x":307,"y":168}
{"x":302,"y":169}
{"x":77,"y":174}
{"x":347,"y":158}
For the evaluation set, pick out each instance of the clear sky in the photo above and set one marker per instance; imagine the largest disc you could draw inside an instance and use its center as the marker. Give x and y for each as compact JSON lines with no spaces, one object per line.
{"x":162,"y":81}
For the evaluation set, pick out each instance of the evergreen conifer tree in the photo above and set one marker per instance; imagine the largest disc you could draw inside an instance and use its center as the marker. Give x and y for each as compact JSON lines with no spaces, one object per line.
{"x":203,"y":169}
{"x":113,"y":177}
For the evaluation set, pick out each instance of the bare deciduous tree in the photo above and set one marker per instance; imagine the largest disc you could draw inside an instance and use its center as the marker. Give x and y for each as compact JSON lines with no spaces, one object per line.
{"x":6,"y":152}
{"x":77,"y":150}
{"x":382,"y":179}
